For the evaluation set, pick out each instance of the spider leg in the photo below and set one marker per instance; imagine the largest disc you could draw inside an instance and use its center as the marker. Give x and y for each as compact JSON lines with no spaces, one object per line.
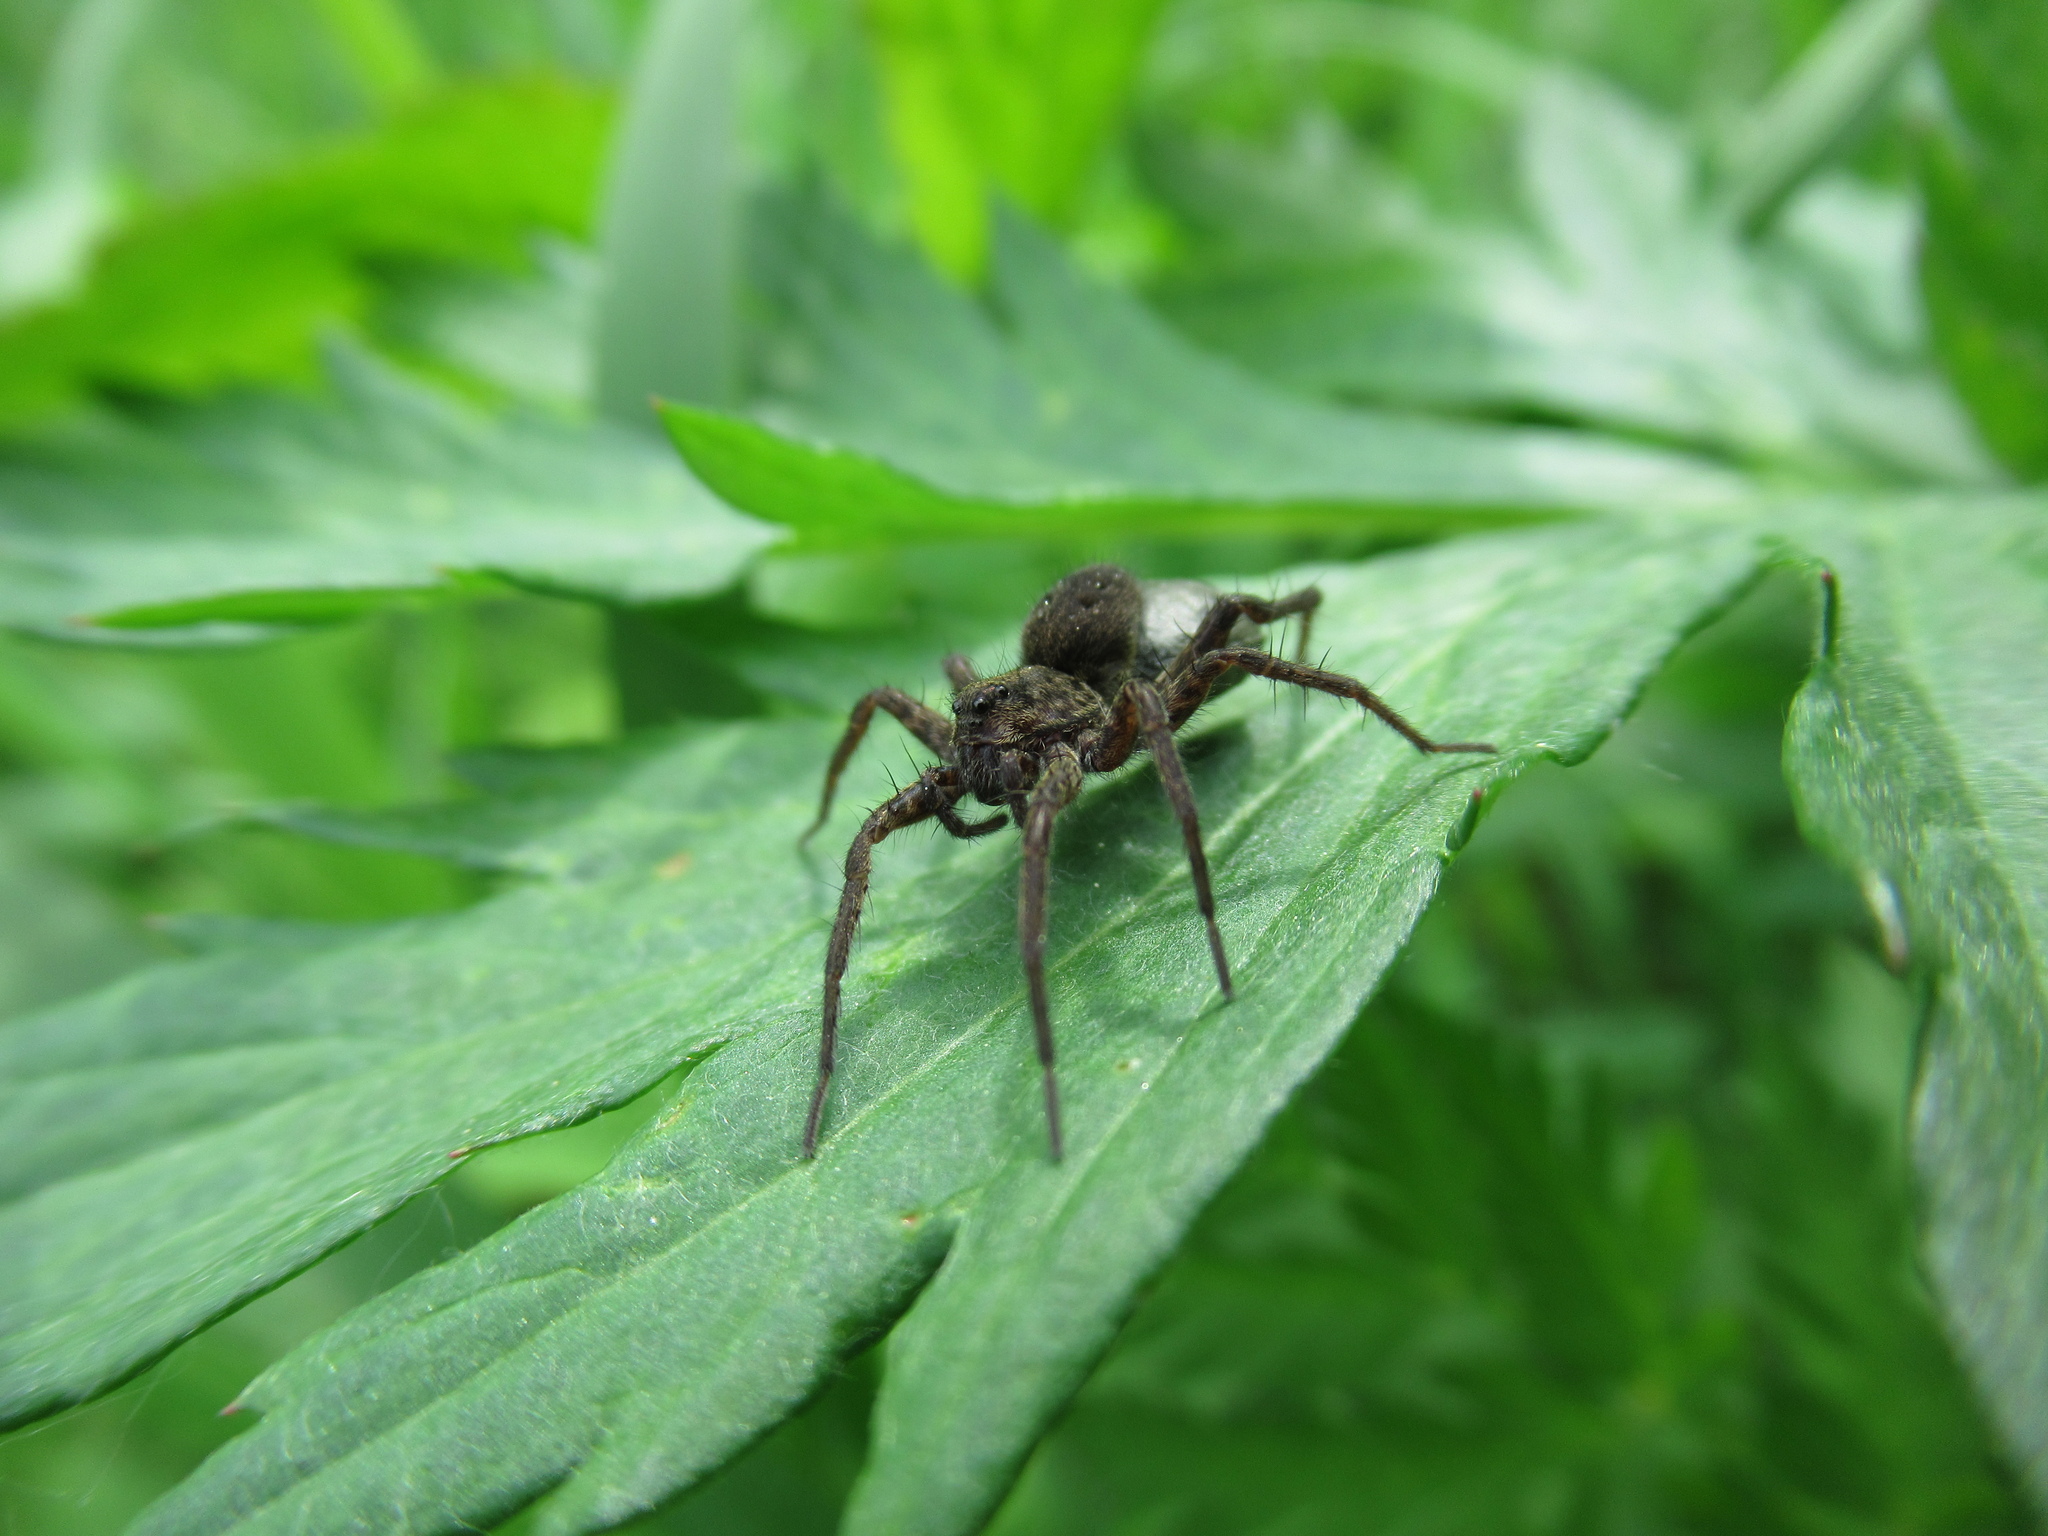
{"x":922,"y":721}
{"x":1189,"y":692}
{"x":959,"y":671}
{"x":931,"y":795}
{"x":1223,"y":615}
{"x":1308,"y":619}
{"x":1139,"y":708}
{"x":1055,"y":791}
{"x":1112,"y":746}
{"x":1173,"y":777}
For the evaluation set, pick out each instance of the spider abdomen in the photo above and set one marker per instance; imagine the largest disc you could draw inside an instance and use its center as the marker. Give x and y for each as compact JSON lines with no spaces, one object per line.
{"x":1172,"y":612}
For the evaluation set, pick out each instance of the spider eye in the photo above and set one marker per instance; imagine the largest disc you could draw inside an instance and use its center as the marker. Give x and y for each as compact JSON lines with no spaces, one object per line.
{"x":1002,"y":693}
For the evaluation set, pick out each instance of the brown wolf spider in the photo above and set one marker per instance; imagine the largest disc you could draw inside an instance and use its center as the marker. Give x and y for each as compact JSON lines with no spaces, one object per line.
{"x":1111,"y":665}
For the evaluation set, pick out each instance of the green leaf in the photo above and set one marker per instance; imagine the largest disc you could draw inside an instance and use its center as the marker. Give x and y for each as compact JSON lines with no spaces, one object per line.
{"x":247,"y":1111}
{"x":1015,"y":96}
{"x":1631,"y":304}
{"x":901,"y":409}
{"x":515,"y":336}
{"x":665,"y":1314}
{"x":1984,"y":266}
{"x":235,"y":287}
{"x":1917,"y":754}
{"x":278,"y":509}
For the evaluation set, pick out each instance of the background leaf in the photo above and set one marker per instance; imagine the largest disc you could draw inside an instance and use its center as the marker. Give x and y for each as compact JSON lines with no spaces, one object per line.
{"x":1830,"y":93}
{"x":1001,"y":96}
{"x":379,"y":39}
{"x":1918,"y":756}
{"x":900,"y":410}
{"x":1984,"y":172}
{"x":210,"y":1052}
{"x":1627,"y":301}
{"x":278,"y":509}
{"x":64,"y":202}
{"x":235,"y":288}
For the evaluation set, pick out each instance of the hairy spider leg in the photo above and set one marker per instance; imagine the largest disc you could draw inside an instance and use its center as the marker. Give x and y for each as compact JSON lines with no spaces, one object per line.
{"x":1223,"y":616}
{"x":1057,"y":785}
{"x":959,"y":671}
{"x":1188,"y":692}
{"x":1140,"y":708}
{"x":1308,"y":618}
{"x":922,"y":721}
{"x":931,"y":796}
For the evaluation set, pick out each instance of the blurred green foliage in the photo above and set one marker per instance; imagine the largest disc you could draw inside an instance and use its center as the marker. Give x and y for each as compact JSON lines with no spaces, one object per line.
{"x":1014,"y":99}
{"x":233,"y":288}
{"x":1602,"y":1219}
{"x":1985,"y":169}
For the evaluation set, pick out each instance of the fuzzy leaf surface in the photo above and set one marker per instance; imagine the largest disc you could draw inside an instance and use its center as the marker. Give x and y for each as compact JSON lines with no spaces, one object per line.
{"x":1920,"y":755}
{"x":621,"y":1342}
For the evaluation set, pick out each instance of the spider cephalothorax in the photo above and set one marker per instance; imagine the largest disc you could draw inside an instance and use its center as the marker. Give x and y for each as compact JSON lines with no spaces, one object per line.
{"x":1111,"y":666}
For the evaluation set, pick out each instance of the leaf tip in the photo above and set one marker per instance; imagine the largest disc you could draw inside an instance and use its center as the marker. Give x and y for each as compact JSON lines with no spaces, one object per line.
{"x":1887,"y":912}
{"x":1467,"y":822}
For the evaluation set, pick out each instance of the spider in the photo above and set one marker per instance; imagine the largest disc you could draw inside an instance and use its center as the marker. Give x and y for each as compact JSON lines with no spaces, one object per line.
{"x":1112,"y":665}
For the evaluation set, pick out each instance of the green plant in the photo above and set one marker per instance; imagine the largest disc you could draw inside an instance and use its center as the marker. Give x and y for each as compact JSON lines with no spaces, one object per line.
{"x":1554,"y":1169}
